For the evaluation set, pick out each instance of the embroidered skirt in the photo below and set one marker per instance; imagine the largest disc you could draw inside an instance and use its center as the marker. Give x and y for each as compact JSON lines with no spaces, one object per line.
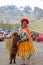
{"x":25,"y":49}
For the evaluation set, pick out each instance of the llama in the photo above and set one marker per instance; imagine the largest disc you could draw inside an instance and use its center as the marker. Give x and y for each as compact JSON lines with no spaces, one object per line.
{"x":12,"y":47}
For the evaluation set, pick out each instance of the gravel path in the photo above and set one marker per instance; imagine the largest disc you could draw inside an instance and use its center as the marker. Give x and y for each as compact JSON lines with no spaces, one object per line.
{"x":37,"y":58}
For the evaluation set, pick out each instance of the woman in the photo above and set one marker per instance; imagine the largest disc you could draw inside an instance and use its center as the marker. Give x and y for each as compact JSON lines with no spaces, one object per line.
{"x":25,"y":46}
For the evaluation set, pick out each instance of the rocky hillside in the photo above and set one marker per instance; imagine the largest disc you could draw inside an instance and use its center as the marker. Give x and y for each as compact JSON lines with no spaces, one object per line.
{"x":12,"y":14}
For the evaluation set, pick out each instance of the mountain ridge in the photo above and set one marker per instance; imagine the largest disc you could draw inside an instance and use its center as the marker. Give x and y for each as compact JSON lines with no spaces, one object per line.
{"x":12,"y":13}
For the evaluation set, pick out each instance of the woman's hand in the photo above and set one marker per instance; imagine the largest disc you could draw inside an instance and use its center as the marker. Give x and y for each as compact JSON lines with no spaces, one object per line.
{"x":21,"y":41}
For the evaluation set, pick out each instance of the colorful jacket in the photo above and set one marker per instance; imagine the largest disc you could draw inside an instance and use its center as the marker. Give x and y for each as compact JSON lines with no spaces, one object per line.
{"x":25,"y":34}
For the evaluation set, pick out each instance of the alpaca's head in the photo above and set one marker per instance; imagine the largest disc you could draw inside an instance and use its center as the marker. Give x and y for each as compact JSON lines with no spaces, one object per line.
{"x":15,"y":36}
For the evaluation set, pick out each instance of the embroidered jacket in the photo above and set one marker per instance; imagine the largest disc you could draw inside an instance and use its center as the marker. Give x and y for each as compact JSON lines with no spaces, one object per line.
{"x":24,"y":34}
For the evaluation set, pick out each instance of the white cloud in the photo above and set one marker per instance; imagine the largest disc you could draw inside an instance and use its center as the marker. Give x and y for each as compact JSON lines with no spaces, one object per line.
{"x":19,"y":3}
{"x":36,"y":3}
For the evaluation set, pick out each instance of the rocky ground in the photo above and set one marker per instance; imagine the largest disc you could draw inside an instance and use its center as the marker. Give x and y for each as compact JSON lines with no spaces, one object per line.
{"x":37,"y":58}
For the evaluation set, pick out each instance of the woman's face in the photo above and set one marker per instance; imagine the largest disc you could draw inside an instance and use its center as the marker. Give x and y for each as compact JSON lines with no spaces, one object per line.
{"x":24,"y":24}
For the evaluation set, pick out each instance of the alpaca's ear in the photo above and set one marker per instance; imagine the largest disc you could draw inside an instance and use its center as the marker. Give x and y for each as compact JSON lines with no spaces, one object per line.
{"x":14,"y":34}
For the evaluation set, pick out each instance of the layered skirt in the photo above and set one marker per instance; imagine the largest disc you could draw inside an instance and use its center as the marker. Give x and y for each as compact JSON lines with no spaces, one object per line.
{"x":25,"y":49}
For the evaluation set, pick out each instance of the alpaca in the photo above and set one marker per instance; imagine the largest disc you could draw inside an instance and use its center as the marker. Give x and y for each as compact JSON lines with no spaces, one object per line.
{"x":11,"y":45}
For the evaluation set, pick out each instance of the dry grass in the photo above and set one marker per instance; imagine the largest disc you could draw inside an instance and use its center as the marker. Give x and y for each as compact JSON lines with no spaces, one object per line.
{"x":34,"y":26}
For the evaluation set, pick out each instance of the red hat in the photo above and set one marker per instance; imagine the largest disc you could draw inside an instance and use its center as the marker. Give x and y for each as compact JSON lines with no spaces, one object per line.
{"x":24,"y":19}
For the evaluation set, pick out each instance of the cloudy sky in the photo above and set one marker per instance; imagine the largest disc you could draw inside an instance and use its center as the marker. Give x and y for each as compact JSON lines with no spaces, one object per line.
{"x":19,"y":3}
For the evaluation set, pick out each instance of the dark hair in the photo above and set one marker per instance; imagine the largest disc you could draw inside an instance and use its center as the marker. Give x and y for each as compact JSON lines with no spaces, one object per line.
{"x":22,"y":23}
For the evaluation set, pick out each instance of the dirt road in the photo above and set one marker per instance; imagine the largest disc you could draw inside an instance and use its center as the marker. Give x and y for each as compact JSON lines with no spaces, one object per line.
{"x":37,"y":58}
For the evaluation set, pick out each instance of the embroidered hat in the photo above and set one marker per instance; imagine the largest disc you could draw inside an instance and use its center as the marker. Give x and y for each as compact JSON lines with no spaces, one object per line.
{"x":24,"y":19}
